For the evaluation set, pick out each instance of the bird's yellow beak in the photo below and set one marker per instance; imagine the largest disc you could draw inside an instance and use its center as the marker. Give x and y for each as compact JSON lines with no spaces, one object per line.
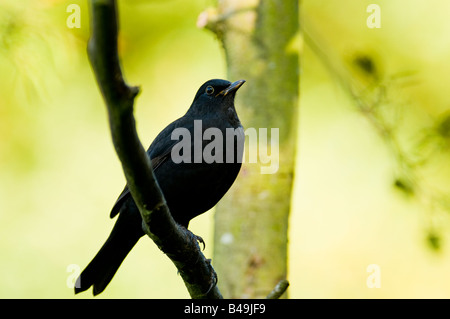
{"x":233,"y":87}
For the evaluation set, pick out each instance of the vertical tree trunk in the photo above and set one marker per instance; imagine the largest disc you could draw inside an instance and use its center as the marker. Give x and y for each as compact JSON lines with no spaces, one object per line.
{"x":251,"y":222}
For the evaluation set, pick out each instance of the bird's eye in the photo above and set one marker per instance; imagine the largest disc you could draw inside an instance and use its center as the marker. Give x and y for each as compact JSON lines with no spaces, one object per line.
{"x":209,"y":90}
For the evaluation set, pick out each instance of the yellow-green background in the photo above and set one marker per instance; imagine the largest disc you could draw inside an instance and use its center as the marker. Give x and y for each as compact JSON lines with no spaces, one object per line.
{"x":59,"y":175}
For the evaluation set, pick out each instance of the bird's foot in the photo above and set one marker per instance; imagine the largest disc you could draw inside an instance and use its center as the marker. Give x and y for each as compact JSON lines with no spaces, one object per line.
{"x":200,"y":240}
{"x":195,"y":237}
{"x":214,"y":278}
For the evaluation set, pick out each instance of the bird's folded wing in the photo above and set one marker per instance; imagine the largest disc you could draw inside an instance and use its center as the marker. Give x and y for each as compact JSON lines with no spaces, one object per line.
{"x":156,"y":162}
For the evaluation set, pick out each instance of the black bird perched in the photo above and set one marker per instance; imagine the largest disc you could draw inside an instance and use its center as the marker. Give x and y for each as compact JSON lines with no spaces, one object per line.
{"x":192,"y":178}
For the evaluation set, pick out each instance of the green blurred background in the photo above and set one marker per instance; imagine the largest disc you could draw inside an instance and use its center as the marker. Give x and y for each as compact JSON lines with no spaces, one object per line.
{"x":372,"y":182}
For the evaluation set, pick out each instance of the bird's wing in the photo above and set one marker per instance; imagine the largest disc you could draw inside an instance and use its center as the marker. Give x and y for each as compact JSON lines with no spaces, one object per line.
{"x":159,"y":151}
{"x":156,"y":162}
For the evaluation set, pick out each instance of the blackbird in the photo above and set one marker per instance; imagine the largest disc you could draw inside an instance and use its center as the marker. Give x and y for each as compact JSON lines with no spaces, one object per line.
{"x":192,"y":179}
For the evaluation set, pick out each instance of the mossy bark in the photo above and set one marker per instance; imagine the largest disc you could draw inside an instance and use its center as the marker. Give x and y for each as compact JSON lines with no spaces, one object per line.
{"x":251,"y":222}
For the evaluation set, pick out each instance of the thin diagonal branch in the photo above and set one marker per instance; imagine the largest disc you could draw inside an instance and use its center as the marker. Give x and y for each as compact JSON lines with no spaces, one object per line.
{"x":279,"y":290}
{"x":177,"y":242}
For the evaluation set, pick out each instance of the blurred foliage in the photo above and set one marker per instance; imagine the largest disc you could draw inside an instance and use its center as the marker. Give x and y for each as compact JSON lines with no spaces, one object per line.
{"x":407,"y":126}
{"x":374,"y":124}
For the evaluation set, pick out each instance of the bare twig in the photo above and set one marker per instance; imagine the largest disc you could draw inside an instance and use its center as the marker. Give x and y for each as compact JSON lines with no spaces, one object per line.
{"x":177,"y":242}
{"x":279,"y":289}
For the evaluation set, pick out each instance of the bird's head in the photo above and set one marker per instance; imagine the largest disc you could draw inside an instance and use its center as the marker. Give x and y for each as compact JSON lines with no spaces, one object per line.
{"x":215,"y":96}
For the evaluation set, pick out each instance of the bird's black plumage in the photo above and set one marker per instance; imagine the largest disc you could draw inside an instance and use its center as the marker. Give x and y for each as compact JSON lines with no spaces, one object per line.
{"x":189,"y":187}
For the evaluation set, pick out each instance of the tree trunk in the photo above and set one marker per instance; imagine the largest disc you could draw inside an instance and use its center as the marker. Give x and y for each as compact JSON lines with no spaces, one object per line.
{"x":251,"y":222}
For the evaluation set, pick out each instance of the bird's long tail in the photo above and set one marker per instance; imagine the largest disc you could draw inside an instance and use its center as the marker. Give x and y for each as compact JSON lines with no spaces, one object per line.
{"x":101,"y":269}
